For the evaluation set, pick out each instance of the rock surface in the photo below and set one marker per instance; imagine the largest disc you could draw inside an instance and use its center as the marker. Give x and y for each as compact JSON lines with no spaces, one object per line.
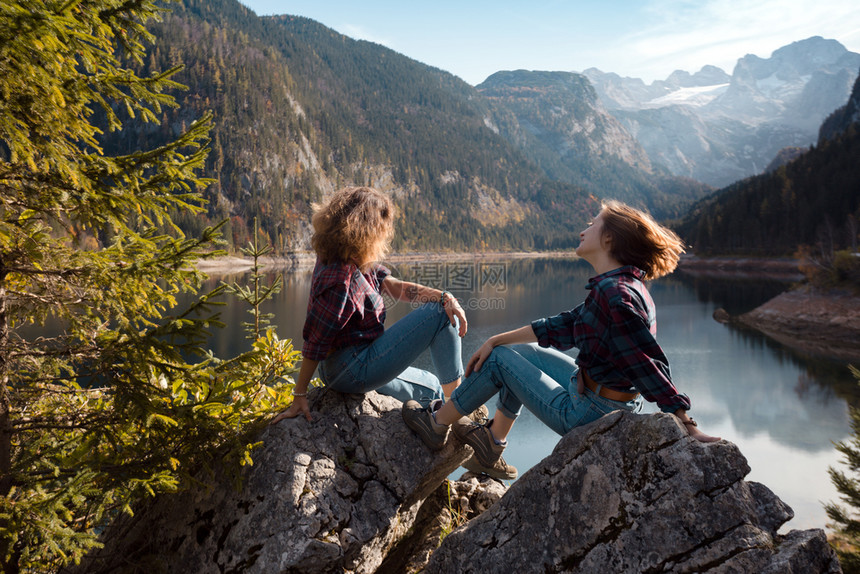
{"x":633,"y":493}
{"x":355,"y":491}
{"x":333,"y":495}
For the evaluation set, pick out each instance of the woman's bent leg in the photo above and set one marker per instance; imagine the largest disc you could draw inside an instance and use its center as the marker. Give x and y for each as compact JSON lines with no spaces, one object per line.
{"x":559,"y":366}
{"x":561,"y":411}
{"x":414,"y":384}
{"x":518,"y":382}
{"x":383,"y":364}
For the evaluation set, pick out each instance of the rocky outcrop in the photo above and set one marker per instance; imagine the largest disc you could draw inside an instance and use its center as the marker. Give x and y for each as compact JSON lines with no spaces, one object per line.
{"x":333,"y":495}
{"x":355,"y":491}
{"x":824,"y":324}
{"x":633,"y":493}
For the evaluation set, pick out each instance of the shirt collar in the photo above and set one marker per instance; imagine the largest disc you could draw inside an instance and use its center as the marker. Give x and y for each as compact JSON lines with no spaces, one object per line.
{"x":624,"y":270}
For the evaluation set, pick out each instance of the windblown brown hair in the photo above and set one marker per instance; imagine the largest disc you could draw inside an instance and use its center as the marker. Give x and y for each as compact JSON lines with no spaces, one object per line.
{"x":355,"y":223}
{"x":636,"y":239}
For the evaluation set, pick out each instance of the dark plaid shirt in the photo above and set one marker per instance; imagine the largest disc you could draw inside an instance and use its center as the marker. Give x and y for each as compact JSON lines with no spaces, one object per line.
{"x":345,"y":308}
{"x":615,"y":331}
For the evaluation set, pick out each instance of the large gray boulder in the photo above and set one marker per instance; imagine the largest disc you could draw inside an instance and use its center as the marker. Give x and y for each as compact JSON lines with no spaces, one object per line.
{"x":634,"y":493}
{"x":333,"y":495}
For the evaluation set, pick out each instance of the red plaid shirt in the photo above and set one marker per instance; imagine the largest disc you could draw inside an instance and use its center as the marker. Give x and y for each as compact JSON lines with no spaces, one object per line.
{"x":345,"y":308}
{"x":615,"y":330}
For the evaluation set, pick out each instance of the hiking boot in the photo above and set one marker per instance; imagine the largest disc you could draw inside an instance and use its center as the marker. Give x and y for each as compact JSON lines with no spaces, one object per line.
{"x":479,"y":437}
{"x":420,"y":419}
{"x":501,"y":470}
{"x":480,"y":415}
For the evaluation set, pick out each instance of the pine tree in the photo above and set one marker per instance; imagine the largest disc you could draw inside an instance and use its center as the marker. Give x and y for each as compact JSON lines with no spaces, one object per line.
{"x":255,"y":294}
{"x":846,"y":523}
{"x":107,"y":394}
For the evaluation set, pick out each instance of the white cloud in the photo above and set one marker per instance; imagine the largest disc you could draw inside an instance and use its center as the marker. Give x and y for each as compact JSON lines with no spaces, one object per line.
{"x":679,"y":34}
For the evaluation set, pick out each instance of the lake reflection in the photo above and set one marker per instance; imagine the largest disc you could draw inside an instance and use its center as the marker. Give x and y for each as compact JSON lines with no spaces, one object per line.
{"x":782,"y":409}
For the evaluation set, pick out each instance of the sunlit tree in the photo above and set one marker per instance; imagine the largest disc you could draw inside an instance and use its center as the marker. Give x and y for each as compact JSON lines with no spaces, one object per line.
{"x":107,"y":394}
{"x":846,"y":521}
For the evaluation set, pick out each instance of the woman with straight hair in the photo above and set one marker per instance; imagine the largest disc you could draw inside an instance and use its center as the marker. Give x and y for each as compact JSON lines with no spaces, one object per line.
{"x":344,"y":333}
{"x":619,"y":361}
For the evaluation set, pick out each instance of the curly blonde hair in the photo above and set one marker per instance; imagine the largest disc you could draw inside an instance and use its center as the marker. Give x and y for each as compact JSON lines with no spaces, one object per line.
{"x":355,"y":223}
{"x":636,"y":239}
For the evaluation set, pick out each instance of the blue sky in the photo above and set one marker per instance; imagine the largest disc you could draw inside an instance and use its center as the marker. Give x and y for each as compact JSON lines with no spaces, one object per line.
{"x":645,"y":39}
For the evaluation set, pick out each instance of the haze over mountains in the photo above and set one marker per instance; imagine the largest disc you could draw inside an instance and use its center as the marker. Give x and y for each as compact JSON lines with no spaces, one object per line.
{"x":811,"y":203}
{"x":719,"y":128}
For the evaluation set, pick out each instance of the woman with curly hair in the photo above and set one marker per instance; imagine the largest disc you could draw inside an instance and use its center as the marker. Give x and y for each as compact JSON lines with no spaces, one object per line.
{"x":344,"y":334}
{"x":615,"y":328}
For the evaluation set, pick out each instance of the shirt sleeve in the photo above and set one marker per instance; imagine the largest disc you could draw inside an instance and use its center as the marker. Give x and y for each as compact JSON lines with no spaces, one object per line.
{"x":636,"y":353}
{"x":382,"y":273}
{"x":327,"y":315}
{"x":556,"y":331}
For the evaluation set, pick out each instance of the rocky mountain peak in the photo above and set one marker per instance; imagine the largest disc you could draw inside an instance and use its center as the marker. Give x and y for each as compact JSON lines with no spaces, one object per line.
{"x":707,"y":76}
{"x":740,"y":121}
{"x":561,"y":114}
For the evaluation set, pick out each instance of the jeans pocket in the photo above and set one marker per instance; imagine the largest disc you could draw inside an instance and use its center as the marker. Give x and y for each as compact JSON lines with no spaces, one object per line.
{"x":588,"y":408}
{"x":337,"y":365}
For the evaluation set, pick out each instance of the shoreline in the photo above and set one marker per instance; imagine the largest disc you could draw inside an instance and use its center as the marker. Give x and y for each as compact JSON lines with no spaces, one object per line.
{"x":741,"y":267}
{"x":301,"y":261}
{"x":709,"y":266}
{"x":825,"y":324}
{"x":822,"y":324}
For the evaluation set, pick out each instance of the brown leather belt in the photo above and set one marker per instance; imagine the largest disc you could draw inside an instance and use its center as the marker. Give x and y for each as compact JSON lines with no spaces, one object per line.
{"x":604,"y":392}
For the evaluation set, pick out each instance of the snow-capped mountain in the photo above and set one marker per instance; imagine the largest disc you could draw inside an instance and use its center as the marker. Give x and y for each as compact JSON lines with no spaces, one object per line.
{"x":621,"y":93}
{"x":718,"y":128}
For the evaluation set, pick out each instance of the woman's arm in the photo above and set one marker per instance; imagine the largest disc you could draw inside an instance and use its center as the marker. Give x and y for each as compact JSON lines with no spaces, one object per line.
{"x":522,"y":335}
{"x":408,"y":291}
{"x":300,"y":391}
{"x":417,"y":293}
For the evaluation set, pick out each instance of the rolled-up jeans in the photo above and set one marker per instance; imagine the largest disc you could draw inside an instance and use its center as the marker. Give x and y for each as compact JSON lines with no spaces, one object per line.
{"x":383,"y":364}
{"x":541,"y":379}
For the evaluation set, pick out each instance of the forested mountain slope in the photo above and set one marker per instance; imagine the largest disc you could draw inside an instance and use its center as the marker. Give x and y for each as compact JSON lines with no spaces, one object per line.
{"x":301,"y":109}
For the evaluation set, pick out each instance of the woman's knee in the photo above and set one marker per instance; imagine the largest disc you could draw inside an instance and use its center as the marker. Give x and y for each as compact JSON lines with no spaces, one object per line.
{"x":522,"y":348}
{"x":433,"y":312}
{"x":503,"y":355}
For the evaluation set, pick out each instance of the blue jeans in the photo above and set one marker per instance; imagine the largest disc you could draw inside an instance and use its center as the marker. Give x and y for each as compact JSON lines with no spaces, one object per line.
{"x":542,"y":379}
{"x":383,"y":364}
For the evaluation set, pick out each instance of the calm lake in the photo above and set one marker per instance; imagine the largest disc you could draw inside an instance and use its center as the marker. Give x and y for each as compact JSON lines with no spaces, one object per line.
{"x":782,"y":409}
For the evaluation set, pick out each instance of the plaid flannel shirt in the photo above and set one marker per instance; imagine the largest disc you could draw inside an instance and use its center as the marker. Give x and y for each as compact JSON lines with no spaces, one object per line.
{"x":615,"y":331}
{"x":345,"y":308}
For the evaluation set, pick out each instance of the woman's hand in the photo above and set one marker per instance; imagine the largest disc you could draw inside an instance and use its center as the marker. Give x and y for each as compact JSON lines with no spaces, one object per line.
{"x":699,"y":435}
{"x":693,"y":428}
{"x":524,"y":334}
{"x":479,"y":357}
{"x":299,"y":406}
{"x":453,"y":309}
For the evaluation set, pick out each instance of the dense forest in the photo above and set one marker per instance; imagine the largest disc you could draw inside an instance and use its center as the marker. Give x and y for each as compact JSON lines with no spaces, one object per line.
{"x":812,"y":201}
